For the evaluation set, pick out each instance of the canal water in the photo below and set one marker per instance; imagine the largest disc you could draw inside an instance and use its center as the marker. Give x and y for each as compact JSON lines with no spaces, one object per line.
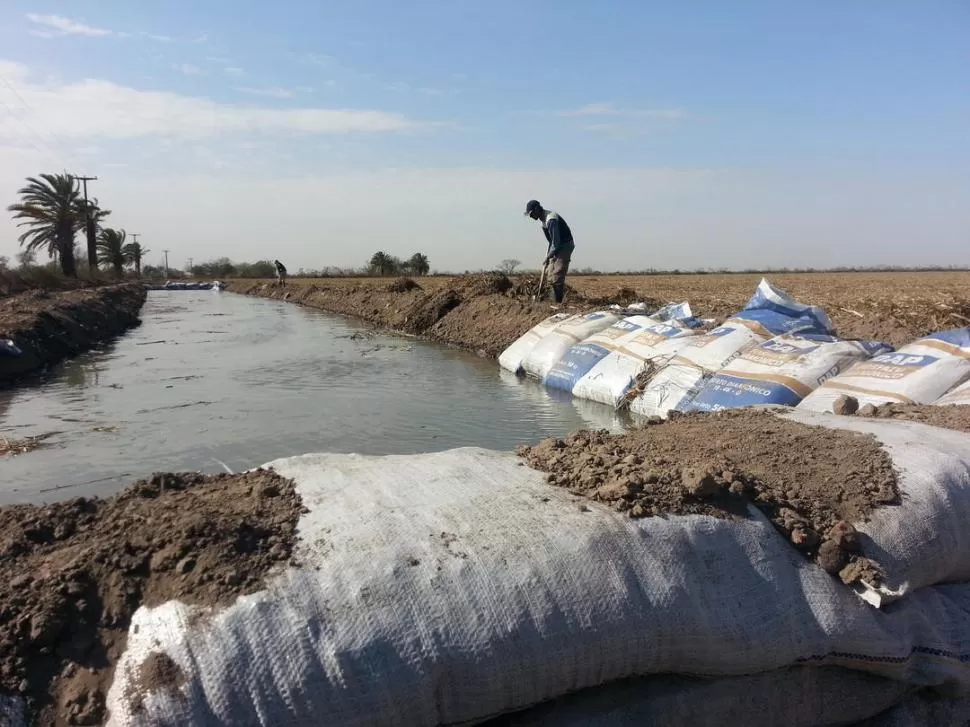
{"x":215,"y":381}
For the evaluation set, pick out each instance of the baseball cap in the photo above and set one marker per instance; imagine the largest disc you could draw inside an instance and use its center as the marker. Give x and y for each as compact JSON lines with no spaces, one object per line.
{"x":532,"y":206}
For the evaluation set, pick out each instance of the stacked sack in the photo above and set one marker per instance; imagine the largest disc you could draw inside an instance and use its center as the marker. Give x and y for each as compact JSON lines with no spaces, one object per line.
{"x":922,"y":372}
{"x":457,"y":587}
{"x":770,"y":312}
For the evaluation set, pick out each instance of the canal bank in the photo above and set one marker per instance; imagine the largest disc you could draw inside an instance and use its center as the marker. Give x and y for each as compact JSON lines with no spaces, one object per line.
{"x":48,"y":327}
{"x":481,"y":313}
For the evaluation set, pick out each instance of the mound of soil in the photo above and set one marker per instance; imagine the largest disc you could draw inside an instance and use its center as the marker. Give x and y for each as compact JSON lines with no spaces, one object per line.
{"x":947,"y":417}
{"x":483,"y":284}
{"x":430,"y":308}
{"x":403,"y":285}
{"x":488,"y":324}
{"x":77,"y":570}
{"x":51,"y":326}
{"x":809,"y":481}
{"x":528,"y":285}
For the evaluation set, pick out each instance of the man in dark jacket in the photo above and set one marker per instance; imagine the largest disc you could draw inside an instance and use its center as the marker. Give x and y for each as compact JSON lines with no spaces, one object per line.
{"x":560,"y":250}
{"x":280,"y":272}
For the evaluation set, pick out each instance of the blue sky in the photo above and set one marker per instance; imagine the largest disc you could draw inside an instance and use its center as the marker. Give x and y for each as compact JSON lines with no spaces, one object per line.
{"x":669,"y":134}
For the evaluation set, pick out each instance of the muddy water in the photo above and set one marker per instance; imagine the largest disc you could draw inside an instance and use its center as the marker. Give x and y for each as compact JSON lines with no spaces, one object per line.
{"x":216,"y":380}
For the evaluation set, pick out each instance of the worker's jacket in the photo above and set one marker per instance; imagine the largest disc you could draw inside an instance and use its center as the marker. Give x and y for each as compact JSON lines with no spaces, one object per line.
{"x":559,"y":236}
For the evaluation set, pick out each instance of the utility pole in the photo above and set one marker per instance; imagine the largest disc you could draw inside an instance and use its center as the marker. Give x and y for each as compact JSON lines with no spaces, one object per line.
{"x":89,"y":223}
{"x":166,"y":263}
{"x":190,"y":265}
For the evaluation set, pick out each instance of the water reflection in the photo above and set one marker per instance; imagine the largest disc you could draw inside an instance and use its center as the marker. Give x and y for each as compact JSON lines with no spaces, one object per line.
{"x":212,"y":379}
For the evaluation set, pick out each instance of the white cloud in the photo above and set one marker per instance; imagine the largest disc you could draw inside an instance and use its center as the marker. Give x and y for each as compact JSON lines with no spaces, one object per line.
{"x":611,"y":110}
{"x":234,"y":71}
{"x":98,"y":109}
{"x":58,"y":25}
{"x":268,"y":92}
{"x":187,"y":69}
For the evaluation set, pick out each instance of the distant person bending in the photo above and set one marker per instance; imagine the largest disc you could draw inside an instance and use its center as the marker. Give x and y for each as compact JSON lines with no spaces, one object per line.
{"x":560,"y":250}
{"x":280,"y":272}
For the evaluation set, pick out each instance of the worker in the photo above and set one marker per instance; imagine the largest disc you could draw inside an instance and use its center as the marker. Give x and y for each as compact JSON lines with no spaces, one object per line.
{"x":280,"y":272}
{"x":560,"y":250}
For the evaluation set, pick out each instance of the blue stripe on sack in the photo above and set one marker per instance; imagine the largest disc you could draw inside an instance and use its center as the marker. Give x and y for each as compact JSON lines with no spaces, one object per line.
{"x":956,"y":337}
{"x":577,"y":362}
{"x":781,"y":303}
{"x":875,"y":348}
{"x":777,"y":323}
{"x":735,"y":392}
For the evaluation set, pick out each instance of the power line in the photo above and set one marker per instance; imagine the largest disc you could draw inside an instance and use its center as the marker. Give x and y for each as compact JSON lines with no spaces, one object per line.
{"x":46,"y":150}
{"x":27,"y":106}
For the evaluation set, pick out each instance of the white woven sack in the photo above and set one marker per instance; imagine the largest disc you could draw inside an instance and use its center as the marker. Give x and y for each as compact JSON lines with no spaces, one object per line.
{"x":512,"y":357}
{"x":802,"y":696}
{"x":678,"y":382}
{"x":924,"y":540}
{"x":554,"y":345}
{"x":612,"y":377}
{"x":452,"y":587}
{"x":919,"y":373}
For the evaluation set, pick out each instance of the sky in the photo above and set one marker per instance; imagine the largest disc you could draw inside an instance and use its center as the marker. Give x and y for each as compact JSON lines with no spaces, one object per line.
{"x":701,"y":134}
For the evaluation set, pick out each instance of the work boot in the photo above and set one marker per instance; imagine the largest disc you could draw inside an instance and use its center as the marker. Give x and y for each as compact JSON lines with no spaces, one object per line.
{"x":558,"y":293}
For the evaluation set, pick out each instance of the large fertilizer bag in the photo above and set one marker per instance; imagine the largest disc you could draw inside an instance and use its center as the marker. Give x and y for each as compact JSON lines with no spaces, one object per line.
{"x":957,"y":396}
{"x":579,"y":359}
{"x":770,"y":312}
{"x":611,"y":378}
{"x":452,"y":587}
{"x":918,"y":373}
{"x":781,"y":371}
{"x":675,"y":384}
{"x":512,"y":357}
{"x":554,"y":345}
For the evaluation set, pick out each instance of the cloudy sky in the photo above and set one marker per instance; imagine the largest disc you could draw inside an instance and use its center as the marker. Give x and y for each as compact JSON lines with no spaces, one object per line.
{"x":701,"y":134}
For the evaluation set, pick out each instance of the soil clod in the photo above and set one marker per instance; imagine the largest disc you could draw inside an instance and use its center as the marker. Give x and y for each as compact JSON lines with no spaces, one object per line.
{"x":807,"y":480}
{"x":83,"y":566}
{"x":845,"y":405}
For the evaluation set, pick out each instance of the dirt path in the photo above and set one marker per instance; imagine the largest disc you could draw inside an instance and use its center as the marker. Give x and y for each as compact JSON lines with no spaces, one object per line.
{"x":48,"y":327}
{"x":74,"y":573}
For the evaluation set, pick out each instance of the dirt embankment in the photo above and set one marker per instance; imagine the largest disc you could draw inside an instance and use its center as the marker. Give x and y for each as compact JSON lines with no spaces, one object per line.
{"x":483,"y":313}
{"x":48,"y":327}
{"x":487,"y":312}
{"x":809,"y":481}
{"x":74,"y":573}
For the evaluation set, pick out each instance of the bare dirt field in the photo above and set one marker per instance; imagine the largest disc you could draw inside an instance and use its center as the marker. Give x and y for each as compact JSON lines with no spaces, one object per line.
{"x":896,"y":307}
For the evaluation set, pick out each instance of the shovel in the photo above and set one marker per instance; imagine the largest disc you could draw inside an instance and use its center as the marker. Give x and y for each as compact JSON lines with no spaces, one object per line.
{"x":542,"y":281}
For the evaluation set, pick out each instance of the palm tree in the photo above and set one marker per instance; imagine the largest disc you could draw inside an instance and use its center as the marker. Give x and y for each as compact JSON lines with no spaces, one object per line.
{"x":418,"y":264}
{"x":111,"y":249}
{"x":382,"y":264}
{"x":90,"y":216}
{"x":134,"y":252}
{"x":49,"y":208}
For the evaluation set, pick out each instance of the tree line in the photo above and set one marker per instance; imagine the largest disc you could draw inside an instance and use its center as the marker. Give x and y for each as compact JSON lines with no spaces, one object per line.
{"x":52,"y":211}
